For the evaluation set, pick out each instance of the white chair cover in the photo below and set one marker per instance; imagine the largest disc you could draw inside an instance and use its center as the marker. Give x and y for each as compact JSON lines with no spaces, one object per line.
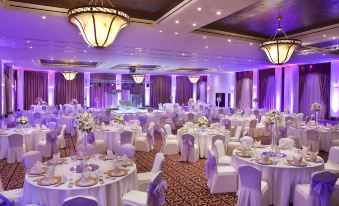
{"x":15,"y":148}
{"x":30,"y":158}
{"x":312,"y":140}
{"x":287,"y":143}
{"x":188,"y":153}
{"x":247,"y":140}
{"x":334,"y":154}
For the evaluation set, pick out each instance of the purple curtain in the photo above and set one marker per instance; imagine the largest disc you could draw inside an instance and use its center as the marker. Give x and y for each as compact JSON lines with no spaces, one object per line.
{"x":184,"y":90}
{"x":244,"y":82}
{"x":36,"y":85}
{"x":97,"y":91}
{"x":266,"y":95}
{"x":202,"y":89}
{"x":314,"y":87}
{"x":66,"y":90}
{"x":160,"y":89}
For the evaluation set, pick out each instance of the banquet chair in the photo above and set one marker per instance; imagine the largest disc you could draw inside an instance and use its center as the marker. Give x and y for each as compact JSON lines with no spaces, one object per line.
{"x":227,"y":123}
{"x":246,"y":140}
{"x":81,"y":201}
{"x":168,"y":131}
{"x":155,"y":195}
{"x":216,"y":125}
{"x":237,"y":134}
{"x":222,"y":158}
{"x":221,"y":138}
{"x":318,"y":192}
{"x":163,"y":121}
{"x":126,"y":144}
{"x":143,"y":122}
{"x":256,"y":113}
{"x":100,"y":144}
{"x":169,"y":146}
{"x":234,"y":141}
{"x":52,"y":125}
{"x":37,"y":117}
{"x":307,"y":119}
{"x":16,"y":148}
{"x":252,"y":189}
{"x":178,"y":120}
{"x":48,"y":146}
{"x":190,"y":117}
{"x":332,"y":163}
{"x":220,"y":179}
{"x":286,"y":143}
{"x":144,"y":142}
{"x":252,"y":128}
{"x":14,"y":196}
{"x":31,"y":108}
{"x":190,"y":149}
{"x":312,"y":140}
{"x":61,"y":137}
{"x":145,"y":177}
{"x":29,"y":159}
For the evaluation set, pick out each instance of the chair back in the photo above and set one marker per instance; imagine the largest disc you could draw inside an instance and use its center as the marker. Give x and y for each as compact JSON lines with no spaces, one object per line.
{"x":44,"y":108}
{"x":168,"y":129}
{"x":247,"y":140}
{"x":187,"y":146}
{"x":227,"y":123}
{"x":126,"y":137}
{"x":210,"y":167}
{"x":51,"y":125}
{"x":156,"y":190}
{"x":31,"y":108}
{"x":37,"y":115}
{"x":80,"y":200}
{"x":334,"y":154}
{"x":190,"y":117}
{"x":238,"y":131}
{"x":253,"y":123}
{"x":143,"y":120}
{"x":312,"y":140}
{"x":322,"y":186}
{"x":15,"y":140}
{"x":218,"y":137}
{"x":220,"y":148}
{"x":29,"y":159}
{"x":287,"y":143}
{"x":158,"y":163}
{"x":250,"y":178}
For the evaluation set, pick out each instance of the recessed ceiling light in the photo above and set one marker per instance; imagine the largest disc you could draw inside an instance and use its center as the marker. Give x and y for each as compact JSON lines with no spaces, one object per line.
{"x":44,"y":17}
{"x":199,"y":8}
{"x":324,"y":35}
{"x":204,"y":37}
{"x":160,"y":31}
{"x":183,"y":54}
{"x":229,"y":40}
{"x":333,"y":37}
{"x":177,"y":21}
{"x":88,"y":46}
{"x":51,"y":59}
{"x":85,"y":51}
{"x":131,"y":54}
{"x":324,"y":54}
{"x":219,"y":57}
{"x":28,"y":41}
{"x":206,"y":47}
{"x":176,"y":33}
{"x":194,"y":24}
{"x":218,"y":13}
{"x":31,"y":47}
{"x":251,"y":44}
{"x":205,"y":60}
{"x":32,"y":60}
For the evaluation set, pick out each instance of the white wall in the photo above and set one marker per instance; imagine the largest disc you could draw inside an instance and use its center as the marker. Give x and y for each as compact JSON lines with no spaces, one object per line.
{"x":221,"y":83}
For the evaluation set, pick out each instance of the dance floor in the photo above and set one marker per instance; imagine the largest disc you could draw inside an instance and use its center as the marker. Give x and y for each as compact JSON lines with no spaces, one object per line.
{"x":186,"y":182}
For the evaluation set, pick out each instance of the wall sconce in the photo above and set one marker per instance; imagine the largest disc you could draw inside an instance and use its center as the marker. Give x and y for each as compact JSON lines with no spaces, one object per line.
{"x":336,"y":84}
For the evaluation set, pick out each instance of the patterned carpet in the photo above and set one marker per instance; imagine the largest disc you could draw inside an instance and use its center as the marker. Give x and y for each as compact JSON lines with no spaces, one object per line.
{"x":186,"y":182}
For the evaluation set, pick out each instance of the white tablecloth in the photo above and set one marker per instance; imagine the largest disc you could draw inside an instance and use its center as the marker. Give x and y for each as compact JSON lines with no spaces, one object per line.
{"x":108,"y":194}
{"x":32,"y":137}
{"x":204,"y":138}
{"x":325,"y":138}
{"x":111,"y":135}
{"x":281,"y":177}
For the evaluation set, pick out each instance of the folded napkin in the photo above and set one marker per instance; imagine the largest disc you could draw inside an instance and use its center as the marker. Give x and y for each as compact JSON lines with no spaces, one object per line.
{"x":43,"y":126}
{"x":115,"y":165}
{"x":124,"y":159}
{"x":304,"y":149}
{"x":37,"y":126}
{"x":50,"y":174}
{"x":297,"y":158}
{"x":283,"y":145}
{"x":56,"y":158}
{"x":110,"y":154}
{"x":37,"y":167}
{"x":257,"y":143}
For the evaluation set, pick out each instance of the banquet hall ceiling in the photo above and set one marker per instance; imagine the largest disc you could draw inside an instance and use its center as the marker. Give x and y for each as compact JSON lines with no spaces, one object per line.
{"x":260,"y":19}
{"x":172,"y":34}
{"x":143,"y":9}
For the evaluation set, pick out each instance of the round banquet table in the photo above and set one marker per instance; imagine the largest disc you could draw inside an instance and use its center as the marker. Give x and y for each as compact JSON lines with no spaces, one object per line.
{"x":326,"y":135}
{"x":281,"y":177}
{"x":31,"y":137}
{"x":111,"y":134}
{"x":204,"y":138}
{"x":108,"y":193}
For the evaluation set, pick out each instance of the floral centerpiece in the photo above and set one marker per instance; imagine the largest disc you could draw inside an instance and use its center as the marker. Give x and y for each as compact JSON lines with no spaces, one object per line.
{"x":190,"y":101}
{"x":203,"y":122}
{"x":74,"y":102}
{"x":118,"y":119}
{"x":38,"y":100}
{"x":44,"y":103}
{"x":218,"y":100}
{"x":316,"y":108}
{"x":287,"y":110}
{"x":150,"y":109}
{"x":274,"y":120}
{"x":22,"y":120}
{"x":85,"y":122}
{"x":239,"y":112}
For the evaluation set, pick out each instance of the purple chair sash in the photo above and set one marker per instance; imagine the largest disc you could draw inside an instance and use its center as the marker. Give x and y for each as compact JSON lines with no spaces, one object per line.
{"x":31,"y":108}
{"x":126,"y":118}
{"x":210,"y":167}
{"x":187,"y":143}
{"x":4,"y":201}
{"x":44,"y":107}
{"x":52,"y":138}
{"x":158,"y":192}
{"x":322,"y":191}
{"x":90,"y":138}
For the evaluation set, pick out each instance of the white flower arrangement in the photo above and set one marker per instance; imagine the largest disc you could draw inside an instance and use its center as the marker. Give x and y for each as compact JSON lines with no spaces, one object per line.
{"x":118,"y":119}
{"x":22,"y":120}
{"x":316,"y":107}
{"x":190,"y":101}
{"x":85,"y":122}
{"x":287,"y":110}
{"x":239,"y":112}
{"x":74,"y":102}
{"x":150,"y":109}
{"x":203,"y":121}
{"x":273,"y":117}
{"x":219,"y":99}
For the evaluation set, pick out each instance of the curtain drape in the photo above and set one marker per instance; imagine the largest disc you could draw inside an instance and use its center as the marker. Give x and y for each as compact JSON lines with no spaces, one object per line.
{"x":36,"y":86}
{"x":66,"y":90}
{"x":244,"y":82}
{"x":97,"y":90}
{"x":267,"y":89}
{"x":184,"y":90}
{"x":160,"y":89}
{"x":202,"y":89}
{"x":314,"y":87}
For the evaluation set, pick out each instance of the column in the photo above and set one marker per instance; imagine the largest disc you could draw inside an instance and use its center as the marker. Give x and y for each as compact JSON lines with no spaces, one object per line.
{"x":87,"y":79}
{"x":255,"y":87}
{"x":334,"y":91}
{"x":2,"y":81}
{"x":278,"y":85}
{"x":147,"y":90}
{"x":118,"y":86}
{"x":291,"y":88}
{"x":173,"y":88}
{"x":20,"y":88}
{"x":51,"y":85}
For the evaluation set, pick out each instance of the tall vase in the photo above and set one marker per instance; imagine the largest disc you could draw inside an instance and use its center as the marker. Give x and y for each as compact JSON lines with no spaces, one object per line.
{"x":84,"y":142}
{"x":316,"y":114}
{"x":274,"y":134}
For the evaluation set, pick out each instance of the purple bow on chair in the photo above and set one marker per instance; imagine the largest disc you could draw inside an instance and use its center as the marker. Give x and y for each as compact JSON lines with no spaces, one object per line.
{"x":322,"y":191}
{"x":187,"y":143}
{"x":126,"y":118}
{"x":90,"y":138}
{"x":158,"y":191}
{"x":52,"y":138}
{"x":210,"y":167}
